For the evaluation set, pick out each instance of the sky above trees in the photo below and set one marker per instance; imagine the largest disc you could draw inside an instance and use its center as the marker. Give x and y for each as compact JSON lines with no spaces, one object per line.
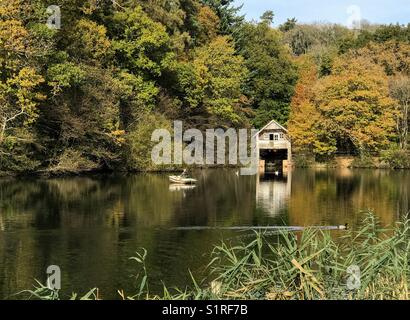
{"x":375,"y":11}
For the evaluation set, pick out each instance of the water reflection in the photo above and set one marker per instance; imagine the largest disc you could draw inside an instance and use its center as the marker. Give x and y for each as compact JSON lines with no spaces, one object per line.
{"x":273,"y":192}
{"x":338,"y":196}
{"x":90,"y":226}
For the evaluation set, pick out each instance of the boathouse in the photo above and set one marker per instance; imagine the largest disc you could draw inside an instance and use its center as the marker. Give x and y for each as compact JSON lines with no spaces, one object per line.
{"x":274,"y":148}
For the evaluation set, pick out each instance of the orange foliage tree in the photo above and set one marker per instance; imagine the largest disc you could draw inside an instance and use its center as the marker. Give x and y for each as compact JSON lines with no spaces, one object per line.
{"x":304,"y":114}
{"x":349,"y":110}
{"x":393,"y":56}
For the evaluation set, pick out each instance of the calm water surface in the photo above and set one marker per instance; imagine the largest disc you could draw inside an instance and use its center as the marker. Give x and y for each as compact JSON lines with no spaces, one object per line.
{"x":90,"y":226}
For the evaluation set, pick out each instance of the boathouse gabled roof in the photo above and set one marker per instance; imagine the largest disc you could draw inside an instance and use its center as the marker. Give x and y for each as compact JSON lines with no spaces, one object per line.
{"x":269,"y":124}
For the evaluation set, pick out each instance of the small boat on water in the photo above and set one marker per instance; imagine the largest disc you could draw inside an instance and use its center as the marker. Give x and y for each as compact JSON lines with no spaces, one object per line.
{"x":182,"y":180}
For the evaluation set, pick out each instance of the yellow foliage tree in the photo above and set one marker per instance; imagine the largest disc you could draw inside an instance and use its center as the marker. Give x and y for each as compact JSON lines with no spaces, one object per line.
{"x":91,"y":40}
{"x":18,"y":81}
{"x":212,"y":81}
{"x":209,"y":24}
{"x":355,"y":104}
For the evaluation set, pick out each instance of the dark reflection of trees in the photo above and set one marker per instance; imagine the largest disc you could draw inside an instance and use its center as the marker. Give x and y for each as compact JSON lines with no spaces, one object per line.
{"x":46,"y":204}
{"x":45,"y":222}
{"x":220,"y":197}
{"x":338,"y":196}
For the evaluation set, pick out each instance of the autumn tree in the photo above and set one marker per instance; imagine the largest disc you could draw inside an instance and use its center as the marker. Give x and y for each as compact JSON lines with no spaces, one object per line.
{"x":355,"y":108}
{"x":18,"y":98}
{"x":208,"y":25}
{"x":19,"y":83}
{"x":304,"y":114}
{"x":393,"y":56}
{"x":89,"y":41}
{"x":348,"y":111}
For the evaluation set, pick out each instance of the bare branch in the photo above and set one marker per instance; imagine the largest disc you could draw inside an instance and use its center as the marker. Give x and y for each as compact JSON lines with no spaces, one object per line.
{"x":15,"y":116}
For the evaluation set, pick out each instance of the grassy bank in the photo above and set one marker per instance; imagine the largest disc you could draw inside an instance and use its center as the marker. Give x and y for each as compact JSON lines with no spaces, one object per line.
{"x":314,"y":264}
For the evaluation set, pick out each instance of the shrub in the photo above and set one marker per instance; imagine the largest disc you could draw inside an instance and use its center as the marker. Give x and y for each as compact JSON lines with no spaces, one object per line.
{"x":363,"y":161}
{"x":73,"y":161}
{"x":139,"y":144}
{"x":303,"y":160}
{"x":397,"y":158}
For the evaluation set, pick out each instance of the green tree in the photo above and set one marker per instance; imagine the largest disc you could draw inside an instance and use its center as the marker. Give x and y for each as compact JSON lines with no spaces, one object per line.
{"x":288,"y":25}
{"x":272,"y":77}
{"x":305,"y":38}
{"x":268,"y":17}
{"x":139,"y":146}
{"x":211,"y":83}
{"x":141,"y":45}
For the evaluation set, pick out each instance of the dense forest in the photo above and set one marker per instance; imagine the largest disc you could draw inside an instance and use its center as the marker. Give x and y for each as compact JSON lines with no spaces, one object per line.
{"x":88,"y":95}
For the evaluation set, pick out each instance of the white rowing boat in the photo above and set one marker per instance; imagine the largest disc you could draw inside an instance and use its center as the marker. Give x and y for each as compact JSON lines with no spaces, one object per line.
{"x":182,"y":180}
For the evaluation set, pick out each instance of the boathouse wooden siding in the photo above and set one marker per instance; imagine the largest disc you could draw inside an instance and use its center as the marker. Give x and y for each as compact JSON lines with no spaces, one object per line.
{"x":274,"y":137}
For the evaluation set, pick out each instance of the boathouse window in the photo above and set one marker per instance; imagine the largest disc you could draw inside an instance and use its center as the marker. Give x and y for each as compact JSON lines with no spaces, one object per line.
{"x":271,"y":137}
{"x":281,"y":135}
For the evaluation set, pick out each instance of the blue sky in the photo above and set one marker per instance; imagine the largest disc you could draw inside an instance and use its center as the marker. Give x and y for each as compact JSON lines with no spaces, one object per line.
{"x":376,"y":11}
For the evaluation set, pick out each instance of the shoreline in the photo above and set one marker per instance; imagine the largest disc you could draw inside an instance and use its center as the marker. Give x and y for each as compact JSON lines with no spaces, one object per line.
{"x":97,"y":172}
{"x":94,"y":172}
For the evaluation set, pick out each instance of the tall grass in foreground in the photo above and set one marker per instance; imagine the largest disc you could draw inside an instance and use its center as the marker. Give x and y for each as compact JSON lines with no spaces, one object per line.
{"x":308,"y":265}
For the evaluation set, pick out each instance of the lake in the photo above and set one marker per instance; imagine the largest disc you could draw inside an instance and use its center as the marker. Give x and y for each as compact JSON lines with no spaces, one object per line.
{"x":90,"y":226}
